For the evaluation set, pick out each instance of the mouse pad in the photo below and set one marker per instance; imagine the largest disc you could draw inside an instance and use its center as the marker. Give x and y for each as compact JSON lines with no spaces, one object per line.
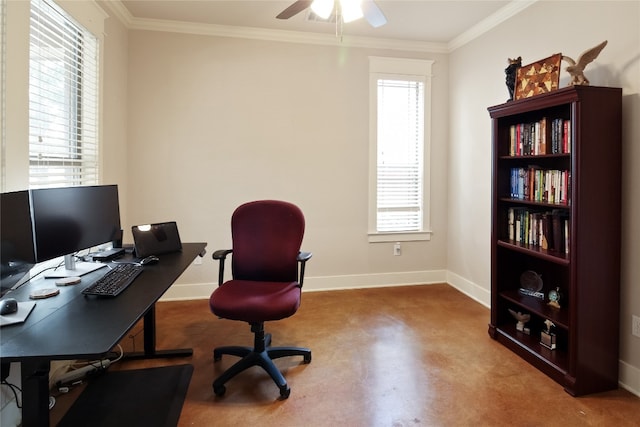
{"x":24,"y":309}
{"x":156,"y":239}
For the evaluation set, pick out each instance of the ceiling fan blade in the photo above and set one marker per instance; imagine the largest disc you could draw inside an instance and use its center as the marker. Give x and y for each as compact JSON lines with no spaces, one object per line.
{"x":373,"y":14}
{"x":294,"y":9}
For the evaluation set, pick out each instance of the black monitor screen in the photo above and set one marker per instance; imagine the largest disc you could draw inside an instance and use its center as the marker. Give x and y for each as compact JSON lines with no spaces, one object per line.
{"x":70,"y":219}
{"x":17,"y":252}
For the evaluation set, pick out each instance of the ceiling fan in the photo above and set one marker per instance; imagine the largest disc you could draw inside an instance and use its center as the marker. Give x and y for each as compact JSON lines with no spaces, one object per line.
{"x":369,"y":9}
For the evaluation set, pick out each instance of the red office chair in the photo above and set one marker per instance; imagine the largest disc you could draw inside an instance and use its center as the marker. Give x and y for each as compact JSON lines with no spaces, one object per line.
{"x":266,"y":284}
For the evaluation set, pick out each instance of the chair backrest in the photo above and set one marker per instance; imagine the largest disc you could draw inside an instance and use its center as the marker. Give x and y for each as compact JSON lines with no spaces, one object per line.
{"x":267,"y":235}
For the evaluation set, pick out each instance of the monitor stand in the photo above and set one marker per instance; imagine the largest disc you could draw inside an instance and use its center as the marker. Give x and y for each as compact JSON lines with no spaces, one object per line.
{"x":73,"y":268}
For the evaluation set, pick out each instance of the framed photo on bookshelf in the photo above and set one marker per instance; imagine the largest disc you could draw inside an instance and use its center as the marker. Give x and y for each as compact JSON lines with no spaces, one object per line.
{"x":539,"y":77}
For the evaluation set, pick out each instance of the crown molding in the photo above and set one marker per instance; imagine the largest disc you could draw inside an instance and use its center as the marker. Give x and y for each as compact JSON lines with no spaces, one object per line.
{"x":487,"y":24}
{"x":284,"y":36}
{"x":119,"y":11}
{"x":122,"y":13}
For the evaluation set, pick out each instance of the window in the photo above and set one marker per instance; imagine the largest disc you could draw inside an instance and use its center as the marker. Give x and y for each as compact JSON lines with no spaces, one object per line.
{"x":63,"y":99}
{"x":400,"y":93}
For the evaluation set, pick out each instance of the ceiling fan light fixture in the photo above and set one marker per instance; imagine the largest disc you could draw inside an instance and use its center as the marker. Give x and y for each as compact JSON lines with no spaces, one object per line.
{"x":322,"y":8}
{"x":350,"y":10}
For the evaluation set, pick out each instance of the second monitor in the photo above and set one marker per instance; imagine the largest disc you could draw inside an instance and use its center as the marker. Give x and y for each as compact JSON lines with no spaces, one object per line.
{"x":70,"y":219}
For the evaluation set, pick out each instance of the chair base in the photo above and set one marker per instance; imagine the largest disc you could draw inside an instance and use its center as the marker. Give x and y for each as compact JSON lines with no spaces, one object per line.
{"x":262,"y":354}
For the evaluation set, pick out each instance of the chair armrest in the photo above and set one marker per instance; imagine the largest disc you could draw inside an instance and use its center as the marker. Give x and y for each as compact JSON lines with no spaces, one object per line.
{"x":221,"y":256}
{"x":303,"y":257}
{"x":221,"y":253}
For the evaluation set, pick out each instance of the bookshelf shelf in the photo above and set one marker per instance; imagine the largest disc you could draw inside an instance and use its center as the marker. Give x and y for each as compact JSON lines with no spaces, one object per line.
{"x":554,"y":363}
{"x":536,"y":156}
{"x":553,"y":224}
{"x":545,"y":254}
{"x":533,"y":203}
{"x":537,"y":307}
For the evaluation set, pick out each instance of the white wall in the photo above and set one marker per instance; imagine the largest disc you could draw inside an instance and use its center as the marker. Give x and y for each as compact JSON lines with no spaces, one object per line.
{"x":115,"y":117}
{"x":215,"y":122}
{"x":477,"y":81}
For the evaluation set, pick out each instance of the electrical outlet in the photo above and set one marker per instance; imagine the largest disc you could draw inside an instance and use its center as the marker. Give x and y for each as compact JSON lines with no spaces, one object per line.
{"x":635,"y":325}
{"x":397,"y":251}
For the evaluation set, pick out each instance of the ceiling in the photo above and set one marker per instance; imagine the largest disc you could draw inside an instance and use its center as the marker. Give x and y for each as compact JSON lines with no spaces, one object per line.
{"x":430,"y":21}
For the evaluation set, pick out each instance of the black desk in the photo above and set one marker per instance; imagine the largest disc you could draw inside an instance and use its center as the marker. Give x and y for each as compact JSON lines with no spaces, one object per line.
{"x":73,"y":326}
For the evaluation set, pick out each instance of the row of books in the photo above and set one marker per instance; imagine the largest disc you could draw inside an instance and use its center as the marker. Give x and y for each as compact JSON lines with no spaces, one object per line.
{"x":546,"y":230}
{"x":540,"y":185}
{"x":542,"y":137}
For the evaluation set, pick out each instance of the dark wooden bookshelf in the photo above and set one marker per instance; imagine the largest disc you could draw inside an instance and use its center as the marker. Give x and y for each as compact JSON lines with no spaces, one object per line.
{"x":587,"y":267}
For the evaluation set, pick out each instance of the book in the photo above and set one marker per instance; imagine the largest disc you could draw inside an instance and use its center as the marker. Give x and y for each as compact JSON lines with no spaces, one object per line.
{"x":511,"y":224}
{"x":556,"y":230}
{"x":566,"y":235}
{"x":543,"y":135}
{"x":544,"y":231}
{"x":566,"y":136}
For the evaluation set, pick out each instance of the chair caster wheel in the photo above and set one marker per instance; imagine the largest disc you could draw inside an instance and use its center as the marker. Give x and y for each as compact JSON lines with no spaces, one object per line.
{"x":285,"y":392}
{"x":307,"y":358}
{"x":216,"y":357}
{"x":219,"y":390}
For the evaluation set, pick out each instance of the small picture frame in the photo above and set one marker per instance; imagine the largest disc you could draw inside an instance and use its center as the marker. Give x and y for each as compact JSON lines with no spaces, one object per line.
{"x":539,"y":77}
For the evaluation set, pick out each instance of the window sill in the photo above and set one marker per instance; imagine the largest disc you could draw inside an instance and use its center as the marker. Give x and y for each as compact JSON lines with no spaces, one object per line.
{"x":410,"y":236}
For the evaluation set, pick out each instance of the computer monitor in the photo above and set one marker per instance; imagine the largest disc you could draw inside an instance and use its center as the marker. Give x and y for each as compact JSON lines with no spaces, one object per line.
{"x":71,"y":219}
{"x":17,"y":249}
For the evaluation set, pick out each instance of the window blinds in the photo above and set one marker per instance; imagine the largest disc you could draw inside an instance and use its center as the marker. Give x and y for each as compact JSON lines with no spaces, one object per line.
{"x":63,"y":99}
{"x":400,"y":155}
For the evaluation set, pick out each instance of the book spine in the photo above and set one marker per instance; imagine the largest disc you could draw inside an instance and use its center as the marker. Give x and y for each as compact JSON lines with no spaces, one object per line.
{"x":543,"y":136}
{"x":511,"y":224}
{"x":512,"y":140}
{"x":565,"y":136}
{"x":566,"y":235}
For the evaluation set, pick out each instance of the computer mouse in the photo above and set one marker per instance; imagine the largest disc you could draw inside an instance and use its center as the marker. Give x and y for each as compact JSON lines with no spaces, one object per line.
{"x":8,"y":306}
{"x":151,"y":259}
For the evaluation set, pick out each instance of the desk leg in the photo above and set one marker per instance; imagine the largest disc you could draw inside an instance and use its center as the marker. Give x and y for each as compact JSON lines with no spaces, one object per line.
{"x":149,"y":337}
{"x":35,"y":392}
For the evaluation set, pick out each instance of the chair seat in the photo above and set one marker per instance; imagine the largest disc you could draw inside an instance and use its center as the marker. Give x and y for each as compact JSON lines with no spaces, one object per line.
{"x":252,"y":301}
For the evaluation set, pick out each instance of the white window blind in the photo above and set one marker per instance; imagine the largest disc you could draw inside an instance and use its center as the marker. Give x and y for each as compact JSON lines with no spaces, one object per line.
{"x":400,"y":148}
{"x":63,"y":99}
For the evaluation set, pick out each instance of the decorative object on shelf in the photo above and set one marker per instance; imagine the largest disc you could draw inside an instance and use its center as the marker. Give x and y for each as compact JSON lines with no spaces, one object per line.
{"x":510,"y":72}
{"x":522,"y":319}
{"x":576,"y":69}
{"x":531,"y":284}
{"x":554,"y":297}
{"x":547,"y":336}
{"x":539,"y":77}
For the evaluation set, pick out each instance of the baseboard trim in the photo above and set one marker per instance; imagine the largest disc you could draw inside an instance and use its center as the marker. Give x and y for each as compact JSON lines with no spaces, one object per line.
{"x":325,"y":283}
{"x":360,"y":281}
{"x":629,"y":378}
{"x":472,"y":290}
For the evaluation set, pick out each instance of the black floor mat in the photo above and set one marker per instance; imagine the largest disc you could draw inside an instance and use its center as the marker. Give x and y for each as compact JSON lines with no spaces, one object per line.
{"x":140,"y":397}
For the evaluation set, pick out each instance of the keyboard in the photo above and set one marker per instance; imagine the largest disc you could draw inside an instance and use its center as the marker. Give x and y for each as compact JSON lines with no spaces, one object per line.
{"x":116,"y":280}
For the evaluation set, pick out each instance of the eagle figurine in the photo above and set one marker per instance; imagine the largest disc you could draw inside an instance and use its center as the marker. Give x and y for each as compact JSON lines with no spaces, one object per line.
{"x":576,"y":69}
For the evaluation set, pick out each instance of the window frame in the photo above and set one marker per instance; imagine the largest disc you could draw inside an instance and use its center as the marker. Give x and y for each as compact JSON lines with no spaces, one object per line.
{"x":381,"y":68}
